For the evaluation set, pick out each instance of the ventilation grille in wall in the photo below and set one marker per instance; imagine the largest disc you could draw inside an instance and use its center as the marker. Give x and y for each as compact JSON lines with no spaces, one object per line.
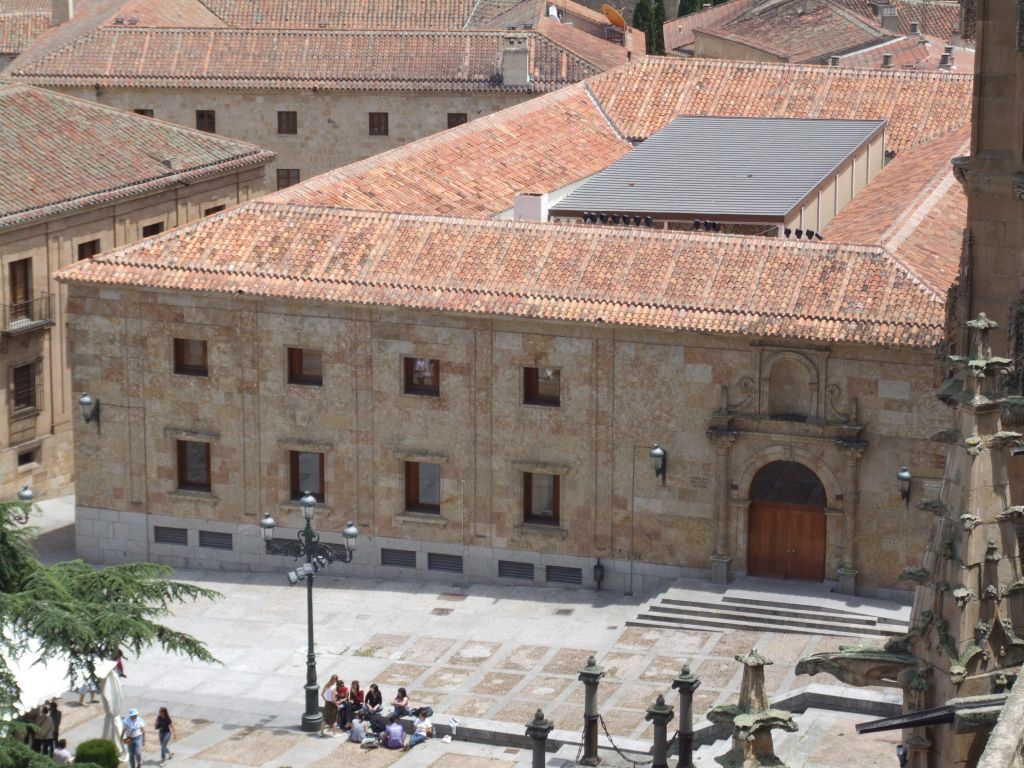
{"x":215,"y":540}
{"x":399,"y":558}
{"x":509,"y":569}
{"x":164,"y":535}
{"x":561,"y":575}
{"x":450,"y":563}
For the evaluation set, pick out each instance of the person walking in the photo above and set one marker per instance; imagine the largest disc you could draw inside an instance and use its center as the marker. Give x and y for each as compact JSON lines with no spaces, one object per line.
{"x":133,"y":735}
{"x":330,"y":707}
{"x":165,"y":728}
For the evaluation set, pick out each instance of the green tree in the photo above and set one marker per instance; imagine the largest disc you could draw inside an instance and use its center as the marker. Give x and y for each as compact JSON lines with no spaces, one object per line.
{"x":75,"y":611}
{"x":642,"y":14}
{"x":656,"y":35}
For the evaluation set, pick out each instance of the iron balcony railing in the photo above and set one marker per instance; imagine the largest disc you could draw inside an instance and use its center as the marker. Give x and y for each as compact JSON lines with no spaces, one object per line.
{"x":26,"y":316}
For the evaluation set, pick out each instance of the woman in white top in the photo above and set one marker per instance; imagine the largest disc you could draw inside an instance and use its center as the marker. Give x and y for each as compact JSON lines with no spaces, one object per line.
{"x":330,"y":707}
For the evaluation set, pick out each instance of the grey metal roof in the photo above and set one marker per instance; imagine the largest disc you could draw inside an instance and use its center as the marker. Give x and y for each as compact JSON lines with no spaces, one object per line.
{"x":723,"y":166}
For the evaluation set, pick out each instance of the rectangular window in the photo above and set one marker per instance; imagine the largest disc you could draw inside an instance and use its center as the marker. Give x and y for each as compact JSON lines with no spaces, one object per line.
{"x":307,"y":474}
{"x":190,"y":357}
{"x":510,"y":569}
{"x":542,"y":386}
{"x":88,"y":249}
{"x":206,"y":120}
{"x":193,"y":466}
{"x":561,"y":574}
{"x":398,"y":558}
{"x":287,"y":177}
{"x":456,"y":119}
{"x":305,"y":367}
{"x":144,"y":112}
{"x":378,"y":123}
{"x":163,"y":534}
{"x":153,"y":229}
{"x":422,"y":376}
{"x":422,"y":487}
{"x":439,"y":562}
{"x":20,"y":285}
{"x":540,"y":498}
{"x":26,"y":457}
{"x":288,"y":122}
{"x":213,"y":210}
{"x":23,"y":380}
{"x":215,"y":540}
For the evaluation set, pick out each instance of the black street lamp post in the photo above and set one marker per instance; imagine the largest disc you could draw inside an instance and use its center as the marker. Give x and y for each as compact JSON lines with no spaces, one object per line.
{"x":318,"y":555}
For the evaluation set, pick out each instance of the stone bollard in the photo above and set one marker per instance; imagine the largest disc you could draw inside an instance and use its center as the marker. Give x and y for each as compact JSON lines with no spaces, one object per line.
{"x":686,"y":684}
{"x":590,"y":676}
{"x":538,"y":730}
{"x":661,"y":715}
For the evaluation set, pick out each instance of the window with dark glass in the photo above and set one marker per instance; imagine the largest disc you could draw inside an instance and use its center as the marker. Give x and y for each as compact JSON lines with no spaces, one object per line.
{"x":542,"y":386}
{"x":23,"y":381}
{"x":305,"y":366}
{"x":19,"y":274}
{"x":540,"y":498}
{"x":456,"y":119}
{"x":213,"y":210}
{"x":422,"y":487}
{"x":190,"y":357}
{"x":206,"y":120}
{"x":378,"y":123}
{"x":88,"y":249}
{"x":307,"y":474}
{"x":287,"y":122}
{"x":422,"y":376}
{"x":144,"y":112}
{"x":153,"y":229}
{"x":193,"y":465}
{"x":287,"y":177}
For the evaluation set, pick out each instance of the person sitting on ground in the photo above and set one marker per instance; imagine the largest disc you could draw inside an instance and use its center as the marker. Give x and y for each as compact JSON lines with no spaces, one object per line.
{"x":373,"y":702}
{"x":394,"y":736}
{"x":400,"y":704}
{"x":358,"y":732}
{"x":423,"y":729}
{"x":62,"y":755}
{"x":356,"y":697}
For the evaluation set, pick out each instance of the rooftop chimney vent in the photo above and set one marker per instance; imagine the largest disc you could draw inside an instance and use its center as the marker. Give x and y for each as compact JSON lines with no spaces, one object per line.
{"x":915,"y":28}
{"x":61,"y":11}
{"x":946,"y":62}
{"x":530,"y":206}
{"x":515,"y":62}
{"x":833,"y":61}
{"x":887,"y":60}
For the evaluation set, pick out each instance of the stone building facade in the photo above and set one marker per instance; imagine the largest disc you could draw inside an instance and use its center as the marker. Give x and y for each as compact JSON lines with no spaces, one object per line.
{"x":77,"y":209}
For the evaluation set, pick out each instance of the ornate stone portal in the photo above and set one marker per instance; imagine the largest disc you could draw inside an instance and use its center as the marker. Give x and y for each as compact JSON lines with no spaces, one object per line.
{"x":753,"y":720}
{"x":970,"y":595}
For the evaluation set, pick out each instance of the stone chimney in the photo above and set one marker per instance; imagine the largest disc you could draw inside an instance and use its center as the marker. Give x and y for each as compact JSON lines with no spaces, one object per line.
{"x":530,"y":206}
{"x":515,"y":62}
{"x":61,"y":11}
{"x":888,"y":16}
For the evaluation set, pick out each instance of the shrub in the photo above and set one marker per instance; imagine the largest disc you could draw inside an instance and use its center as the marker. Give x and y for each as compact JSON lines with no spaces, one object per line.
{"x":99,"y":751}
{"x":14,"y":754}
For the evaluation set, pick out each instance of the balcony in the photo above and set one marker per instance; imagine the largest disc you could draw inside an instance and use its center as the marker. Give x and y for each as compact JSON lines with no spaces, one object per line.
{"x":27,"y":316}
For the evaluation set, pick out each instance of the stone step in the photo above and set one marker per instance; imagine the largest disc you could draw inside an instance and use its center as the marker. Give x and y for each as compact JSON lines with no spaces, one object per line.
{"x":787,"y":604}
{"x":714,"y":613}
{"x":791,"y":611}
{"x":721,"y":624}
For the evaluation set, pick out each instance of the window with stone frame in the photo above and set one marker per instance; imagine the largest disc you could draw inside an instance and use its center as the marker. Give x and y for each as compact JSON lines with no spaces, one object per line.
{"x":19,"y":285}
{"x":456,"y":119}
{"x":153,"y":229}
{"x":542,"y":386}
{"x":422,"y":376}
{"x":306,"y":470}
{"x":194,"y":466}
{"x":206,"y":120}
{"x":144,"y":112}
{"x":378,"y":123}
{"x":287,"y":177}
{"x":190,"y":357}
{"x":88,"y":249}
{"x":306,"y":367}
{"x":541,"y":498}
{"x":287,"y":122}
{"x":423,"y":487}
{"x":25,"y":390}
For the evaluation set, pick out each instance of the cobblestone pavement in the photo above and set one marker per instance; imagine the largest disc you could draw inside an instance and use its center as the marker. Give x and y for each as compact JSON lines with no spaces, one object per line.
{"x":484,"y":654}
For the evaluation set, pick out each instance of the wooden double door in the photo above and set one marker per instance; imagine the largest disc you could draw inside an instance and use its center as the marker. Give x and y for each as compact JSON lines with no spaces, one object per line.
{"x":786,"y":541}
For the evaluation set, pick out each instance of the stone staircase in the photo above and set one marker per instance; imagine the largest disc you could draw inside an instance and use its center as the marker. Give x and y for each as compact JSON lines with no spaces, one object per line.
{"x":761,"y":610}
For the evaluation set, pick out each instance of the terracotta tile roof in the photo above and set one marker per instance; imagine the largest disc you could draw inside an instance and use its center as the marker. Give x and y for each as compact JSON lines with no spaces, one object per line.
{"x":342,"y":14}
{"x":59,"y":153}
{"x":598,"y":52}
{"x":905,"y":52}
{"x":643,"y":96}
{"x":915,"y":209}
{"x":237,"y":58}
{"x":572,"y":8}
{"x":679,"y":32}
{"x":800,"y":31}
{"x":939,"y":18}
{"x":500,"y":14}
{"x":476,"y":169}
{"x":630,"y":277}
{"x":19,"y":28}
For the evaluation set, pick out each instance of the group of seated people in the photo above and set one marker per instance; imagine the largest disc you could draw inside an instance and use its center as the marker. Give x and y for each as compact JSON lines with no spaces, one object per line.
{"x":362,"y":714}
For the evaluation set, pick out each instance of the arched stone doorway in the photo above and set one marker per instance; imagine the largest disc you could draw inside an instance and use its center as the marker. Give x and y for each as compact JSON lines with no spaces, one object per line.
{"x":786,"y":523}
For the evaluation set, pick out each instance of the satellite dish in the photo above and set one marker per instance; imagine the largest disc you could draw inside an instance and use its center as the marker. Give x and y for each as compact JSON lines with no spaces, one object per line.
{"x":613,"y":16}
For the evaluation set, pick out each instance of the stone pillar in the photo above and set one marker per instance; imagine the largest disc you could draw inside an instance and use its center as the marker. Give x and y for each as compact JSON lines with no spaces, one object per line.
{"x":590,"y":676}
{"x":660,"y":714}
{"x":686,"y":683}
{"x":852,"y":452}
{"x":722,"y":440}
{"x":538,"y":730}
